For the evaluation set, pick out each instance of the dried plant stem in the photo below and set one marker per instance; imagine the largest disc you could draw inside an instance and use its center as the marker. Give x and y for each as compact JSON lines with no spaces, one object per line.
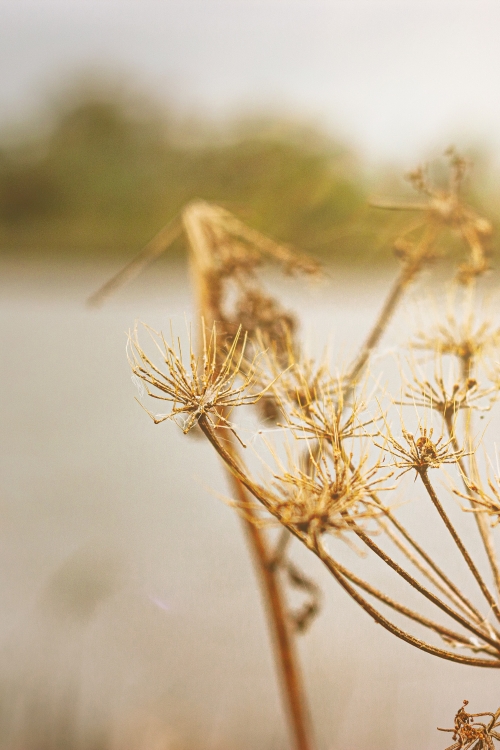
{"x":285,"y":651}
{"x":408,"y":272}
{"x":451,"y":591}
{"x":475,"y":613}
{"x":456,"y":538}
{"x":421,"y":589}
{"x":481,"y":522}
{"x":407,"y":612}
{"x":381,"y":620}
{"x":151,"y":251}
{"x":195,"y":220}
{"x":467,"y":609}
{"x":316,"y":547}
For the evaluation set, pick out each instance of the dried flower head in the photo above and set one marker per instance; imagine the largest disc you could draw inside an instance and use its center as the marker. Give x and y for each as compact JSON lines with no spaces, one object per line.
{"x":468,"y":339}
{"x":323,"y":415}
{"x":446,"y":397}
{"x":469,"y":734}
{"x":420,"y":452}
{"x":443,"y":209}
{"x":332,"y":496}
{"x":484,"y":500}
{"x":207,"y":388}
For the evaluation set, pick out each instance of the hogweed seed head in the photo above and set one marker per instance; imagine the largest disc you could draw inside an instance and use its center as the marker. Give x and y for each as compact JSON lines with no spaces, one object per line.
{"x":485,"y":500}
{"x":420,"y":452}
{"x":211,"y":386}
{"x":446,"y":397}
{"x":468,"y":340}
{"x":473,"y":735}
{"x":444,"y":209}
{"x":332,"y":496}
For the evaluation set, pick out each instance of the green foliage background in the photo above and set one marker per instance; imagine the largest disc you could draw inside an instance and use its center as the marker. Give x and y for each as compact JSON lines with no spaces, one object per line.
{"x":110,"y":169}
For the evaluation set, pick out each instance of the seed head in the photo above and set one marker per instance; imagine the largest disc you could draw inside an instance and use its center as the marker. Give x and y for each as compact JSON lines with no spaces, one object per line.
{"x":444,"y":209}
{"x":467,"y":340}
{"x":333,"y":496}
{"x":468,"y":734}
{"x":211,"y":386}
{"x":447,"y":398}
{"x":485,"y":499}
{"x":420,"y":452}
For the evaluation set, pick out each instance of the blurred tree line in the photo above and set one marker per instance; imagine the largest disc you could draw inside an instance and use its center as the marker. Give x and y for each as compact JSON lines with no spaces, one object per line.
{"x":107,"y":169}
{"x":110,"y":170}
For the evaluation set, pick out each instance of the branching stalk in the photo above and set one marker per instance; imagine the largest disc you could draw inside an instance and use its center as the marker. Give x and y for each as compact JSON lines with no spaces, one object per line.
{"x":456,"y":538}
{"x":408,"y":272}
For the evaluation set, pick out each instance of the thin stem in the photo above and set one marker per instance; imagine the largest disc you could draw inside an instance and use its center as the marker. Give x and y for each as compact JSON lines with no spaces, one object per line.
{"x":195,"y":217}
{"x":421,"y":589}
{"x":399,"y":526}
{"x":381,"y":620}
{"x":285,"y":652}
{"x":463,"y":603}
{"x":427,"y":573}
{"x":456,"y":538}
{"x":406,"y":275}
{"x":480,"y":520}
{"x":407,"y":612}
{"x":260,"y":494}
{"x":148,"y":254}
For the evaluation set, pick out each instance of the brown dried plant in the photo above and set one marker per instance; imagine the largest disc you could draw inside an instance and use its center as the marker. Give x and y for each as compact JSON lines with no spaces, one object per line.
{"x":332,"y":495}
{"x":449,"y":395}
{"x":444,"y":209}
{"x":474,"y":735}
{"x":332,"y":481}
{"x":207,"y":389}
{"x":225,"y":256}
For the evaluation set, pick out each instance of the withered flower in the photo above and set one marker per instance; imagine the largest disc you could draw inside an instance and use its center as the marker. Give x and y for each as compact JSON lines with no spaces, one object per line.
{"x":326,"y":416}
{"x":468,"y":734}
{"x":447,"y":398}
{"x":466,"y":339}
{"x":312,"y":401}
{"x":208,"y":387}
{"x":420,"y":452}
{"x":486,"y":500}
{"x":332,"y":497}
{"x":444,"y":208}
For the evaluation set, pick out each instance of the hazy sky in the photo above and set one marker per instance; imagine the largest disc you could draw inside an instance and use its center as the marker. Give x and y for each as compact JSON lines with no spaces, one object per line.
{"x":395,"y":76}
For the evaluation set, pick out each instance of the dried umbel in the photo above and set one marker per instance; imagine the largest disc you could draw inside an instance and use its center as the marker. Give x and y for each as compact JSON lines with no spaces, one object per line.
{"x":484,"y":500}
{"x":470,"y":734}
{"x":467,"y":338}
{"x":210,"y":387}
{"x":420,"y":452}
{"x":448,"y":397}
{"x":313,"y":404}
{"x":444,"y":209}
{"x":333,"y":496}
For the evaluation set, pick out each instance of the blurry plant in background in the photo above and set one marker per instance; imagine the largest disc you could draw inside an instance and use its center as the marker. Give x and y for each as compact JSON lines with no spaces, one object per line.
{"x":111,"y":167}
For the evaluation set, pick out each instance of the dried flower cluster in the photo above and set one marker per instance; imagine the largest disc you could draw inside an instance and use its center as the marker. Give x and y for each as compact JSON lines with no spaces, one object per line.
{"x":443,"y":209}
{"x":209,"y":388}
{"x":474,"y":735}
{"x":335,"y":449}
{"x":331,"y":481}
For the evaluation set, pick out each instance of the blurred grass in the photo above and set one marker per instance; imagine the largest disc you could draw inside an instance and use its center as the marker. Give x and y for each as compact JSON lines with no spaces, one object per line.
{"x":110,"y":169}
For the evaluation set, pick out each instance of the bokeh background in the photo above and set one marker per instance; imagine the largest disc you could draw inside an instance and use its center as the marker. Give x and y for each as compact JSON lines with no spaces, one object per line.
{"x":130,"y":614}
